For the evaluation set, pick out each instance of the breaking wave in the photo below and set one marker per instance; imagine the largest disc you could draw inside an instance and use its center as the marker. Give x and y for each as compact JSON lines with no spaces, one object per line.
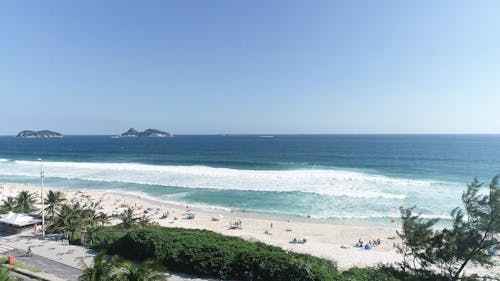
{"x":318,"y":181}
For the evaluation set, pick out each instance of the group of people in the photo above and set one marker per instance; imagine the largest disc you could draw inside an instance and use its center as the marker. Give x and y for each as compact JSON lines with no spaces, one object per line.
{"x":298,"y":241}
{"x":165,"y":215}
{"x":236,"y":225}
{"x":370,"y":244}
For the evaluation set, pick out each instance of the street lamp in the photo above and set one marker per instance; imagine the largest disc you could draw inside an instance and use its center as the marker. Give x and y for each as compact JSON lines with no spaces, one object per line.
{"x":42,"y":175}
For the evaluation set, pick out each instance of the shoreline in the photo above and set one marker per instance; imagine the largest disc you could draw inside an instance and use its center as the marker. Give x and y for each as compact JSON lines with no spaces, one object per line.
{"x":324,"y":239}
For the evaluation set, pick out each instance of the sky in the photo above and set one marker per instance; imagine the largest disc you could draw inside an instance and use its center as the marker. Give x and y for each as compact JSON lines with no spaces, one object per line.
{"x":209,"y":67}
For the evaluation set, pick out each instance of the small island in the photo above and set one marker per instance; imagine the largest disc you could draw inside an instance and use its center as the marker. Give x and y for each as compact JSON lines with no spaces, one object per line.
{"x":39,"y":134}
{"x":151,"y":133}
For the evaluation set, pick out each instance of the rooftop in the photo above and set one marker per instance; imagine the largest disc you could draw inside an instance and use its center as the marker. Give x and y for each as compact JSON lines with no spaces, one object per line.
{"x":18,"y":219}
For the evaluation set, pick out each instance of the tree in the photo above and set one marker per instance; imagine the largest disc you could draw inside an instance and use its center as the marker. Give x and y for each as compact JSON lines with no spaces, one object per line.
{"x":69,"y":219}
{"x":72,"y":219}
{"x":110,"y":268}
{"x":447,"y":252}
{"x":8,"y":205}
{"x":129,"y":218}
{"x":103,"y":269}
{"x":103,"y":219}
{"x":94,"y":221}
{"x":143,"y":272}
{"x":25,"y":202}
{"x":144,"y":221}
{"x":53,"y":202}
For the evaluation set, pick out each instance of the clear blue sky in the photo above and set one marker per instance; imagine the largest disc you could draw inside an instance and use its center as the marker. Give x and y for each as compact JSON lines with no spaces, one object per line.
{"x":100,"y":67}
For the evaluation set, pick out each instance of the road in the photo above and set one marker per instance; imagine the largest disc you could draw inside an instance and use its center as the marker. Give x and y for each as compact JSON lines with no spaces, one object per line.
{"x":55,"y":268}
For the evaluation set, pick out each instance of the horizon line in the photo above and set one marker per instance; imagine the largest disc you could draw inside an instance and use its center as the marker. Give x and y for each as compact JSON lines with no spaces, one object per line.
{"x":276,"y":134}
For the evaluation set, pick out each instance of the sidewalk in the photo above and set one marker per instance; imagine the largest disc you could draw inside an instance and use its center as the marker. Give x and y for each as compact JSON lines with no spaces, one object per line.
{"x":62,"y":261}
{"x":52,"y":257}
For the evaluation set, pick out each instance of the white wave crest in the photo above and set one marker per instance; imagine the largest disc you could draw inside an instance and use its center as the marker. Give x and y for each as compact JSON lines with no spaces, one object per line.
{"x":323,"y":182}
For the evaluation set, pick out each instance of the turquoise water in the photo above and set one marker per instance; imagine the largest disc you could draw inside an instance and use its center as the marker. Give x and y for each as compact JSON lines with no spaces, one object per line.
{"x":339,"y":177}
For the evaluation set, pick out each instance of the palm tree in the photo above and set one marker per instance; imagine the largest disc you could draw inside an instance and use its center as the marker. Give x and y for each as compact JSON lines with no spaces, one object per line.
{"x":103,"y":218}
{"x":53,"y":202}
{"x":25,"y":202}
{"x":8,"y":205}
{"x":143,"y":272}
{"x":144,"y":221}
{"x":129,"y":219}
{"x":69,"y":219}
{"x":103,"y":269}
{"x":93,"y":222}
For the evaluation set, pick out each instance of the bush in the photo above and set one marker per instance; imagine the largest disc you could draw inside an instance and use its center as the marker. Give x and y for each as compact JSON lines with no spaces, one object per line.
{"x":208,"y":253}
{"x":106,"y":236}
{"x":371,"y":274}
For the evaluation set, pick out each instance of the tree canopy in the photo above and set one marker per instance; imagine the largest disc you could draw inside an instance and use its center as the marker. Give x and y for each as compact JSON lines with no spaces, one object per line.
{"x":429,"y":252}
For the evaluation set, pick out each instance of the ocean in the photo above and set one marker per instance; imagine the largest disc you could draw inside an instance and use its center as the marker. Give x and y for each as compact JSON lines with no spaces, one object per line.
{"x":330,"y":177}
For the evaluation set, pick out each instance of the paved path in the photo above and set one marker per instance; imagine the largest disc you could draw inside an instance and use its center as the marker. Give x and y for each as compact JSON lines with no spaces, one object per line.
{"x":52,"y":267}
{"x":66,"y":260}
{"x":4,"y":250}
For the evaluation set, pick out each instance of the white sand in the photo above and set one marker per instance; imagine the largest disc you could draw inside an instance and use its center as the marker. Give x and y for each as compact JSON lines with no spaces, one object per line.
{"x":331,"y":241}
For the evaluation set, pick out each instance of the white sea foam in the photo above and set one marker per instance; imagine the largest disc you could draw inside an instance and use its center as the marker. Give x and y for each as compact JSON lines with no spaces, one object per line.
{"x":319,"y":181}
{"x":372,"y":215}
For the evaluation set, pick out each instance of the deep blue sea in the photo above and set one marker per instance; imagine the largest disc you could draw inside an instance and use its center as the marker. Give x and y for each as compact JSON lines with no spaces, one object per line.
{"x":336,"y":177}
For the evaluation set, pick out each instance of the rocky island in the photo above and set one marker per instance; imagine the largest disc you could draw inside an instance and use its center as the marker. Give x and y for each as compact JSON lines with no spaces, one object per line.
{"x":152,"y":133}
{"x":39,"y":134}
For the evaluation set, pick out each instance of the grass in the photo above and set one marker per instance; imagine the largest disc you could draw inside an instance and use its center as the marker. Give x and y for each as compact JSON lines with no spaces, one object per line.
{"x":20,"y":265}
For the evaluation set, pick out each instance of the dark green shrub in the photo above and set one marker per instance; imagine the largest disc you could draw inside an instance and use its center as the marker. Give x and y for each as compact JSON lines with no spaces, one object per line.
{"x":208,"y":253}
{"x":105,"y":237}
{"x":367,"y":274}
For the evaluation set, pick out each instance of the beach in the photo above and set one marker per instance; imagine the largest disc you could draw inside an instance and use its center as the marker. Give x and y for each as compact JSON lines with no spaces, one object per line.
{"x":326,"y":240}
{"x":331,"y":241}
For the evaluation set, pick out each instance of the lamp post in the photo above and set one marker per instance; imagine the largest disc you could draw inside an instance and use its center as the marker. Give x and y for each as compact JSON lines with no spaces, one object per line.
{"x":42,"y":175}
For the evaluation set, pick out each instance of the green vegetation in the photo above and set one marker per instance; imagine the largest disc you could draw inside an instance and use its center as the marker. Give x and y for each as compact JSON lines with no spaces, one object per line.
{"x":207,"y":253}
{"x":429,"y":253}
{"x":5,"y":275}
{"x":130,"y":219}
{"x":23,"y":203}
{"x":368,"y":274}
{"x":53,"y":201}
{"x":103,"y":269}
{"x":24,"y":266}
{"x":20,"y":265}
{"x":432,"y":254}
{"x":8,"y":205}
{"x":143,"y":272}
{"x":74,"y":219}
{"x":112,"y":269}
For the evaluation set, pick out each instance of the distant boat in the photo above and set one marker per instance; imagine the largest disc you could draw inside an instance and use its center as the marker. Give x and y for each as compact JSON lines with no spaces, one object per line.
{"x":266,"y":136}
